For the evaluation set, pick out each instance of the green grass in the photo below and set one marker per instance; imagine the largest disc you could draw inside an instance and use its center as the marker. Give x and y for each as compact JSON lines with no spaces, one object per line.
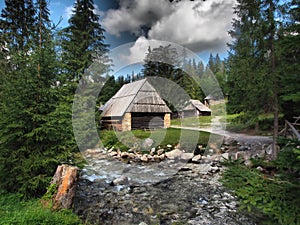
{"x":161,"y":137}
{"x":191,"y":121}
{"x":14,"y":210}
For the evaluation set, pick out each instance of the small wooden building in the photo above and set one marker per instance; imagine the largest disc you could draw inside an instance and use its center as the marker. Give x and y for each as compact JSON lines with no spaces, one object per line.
{"x":195,"y":108}
{"x":136,"y":105}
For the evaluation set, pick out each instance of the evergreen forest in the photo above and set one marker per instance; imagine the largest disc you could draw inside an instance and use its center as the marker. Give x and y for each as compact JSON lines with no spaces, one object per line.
{"x":41,"y":66}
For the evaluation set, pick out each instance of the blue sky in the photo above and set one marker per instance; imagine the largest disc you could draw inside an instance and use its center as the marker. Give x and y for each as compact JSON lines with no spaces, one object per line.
{"x":201,"y":26}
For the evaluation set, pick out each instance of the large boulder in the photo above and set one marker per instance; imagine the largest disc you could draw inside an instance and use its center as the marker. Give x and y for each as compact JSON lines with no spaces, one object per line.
{"x":196,"y":159}
{"x":186,"y":156}
{"x":64,"y":180}
{"x":174,"y":154}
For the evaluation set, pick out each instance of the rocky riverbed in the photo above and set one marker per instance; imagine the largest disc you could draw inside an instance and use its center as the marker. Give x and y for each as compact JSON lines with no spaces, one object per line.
{"x":170,"y":191}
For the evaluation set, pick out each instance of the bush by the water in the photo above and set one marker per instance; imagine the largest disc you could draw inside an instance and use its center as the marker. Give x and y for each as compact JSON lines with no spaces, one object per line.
{"x":273,"y":192}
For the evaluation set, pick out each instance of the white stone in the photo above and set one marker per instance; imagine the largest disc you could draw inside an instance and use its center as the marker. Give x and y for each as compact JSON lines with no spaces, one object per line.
{"x":144,"y":158}
{"x":186,"y":156}
{"x":122,"y":180}
{"x":225,"y":156}
{"x":174,"y":154}
{"x":196,"y":159}
{"x":142,"y":223}
{"x":152,"y":151}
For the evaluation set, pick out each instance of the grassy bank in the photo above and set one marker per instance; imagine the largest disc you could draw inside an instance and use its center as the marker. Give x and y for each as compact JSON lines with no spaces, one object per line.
{"x":161,"y":137}
{"x":14,"y":210}
{"x":192,"y":121}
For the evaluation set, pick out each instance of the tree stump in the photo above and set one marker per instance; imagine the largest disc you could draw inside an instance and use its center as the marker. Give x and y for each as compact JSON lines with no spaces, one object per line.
{"x":64,"y":180}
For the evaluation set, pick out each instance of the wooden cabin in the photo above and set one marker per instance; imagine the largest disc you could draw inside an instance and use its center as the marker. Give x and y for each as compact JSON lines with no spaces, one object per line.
{"x":136,"y":105}
{"x":195,"y":108}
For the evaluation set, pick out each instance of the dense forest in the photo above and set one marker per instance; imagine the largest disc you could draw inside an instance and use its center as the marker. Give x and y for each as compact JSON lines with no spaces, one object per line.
{"x":41,"y":66}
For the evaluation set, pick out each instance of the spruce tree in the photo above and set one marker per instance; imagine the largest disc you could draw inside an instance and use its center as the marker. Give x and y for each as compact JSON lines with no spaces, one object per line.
{"x":288,"y":59}
{"x":32,"y":138}
{"x":83,"y":40}
{"x":249,"y":85}
{"x":17,"y":24}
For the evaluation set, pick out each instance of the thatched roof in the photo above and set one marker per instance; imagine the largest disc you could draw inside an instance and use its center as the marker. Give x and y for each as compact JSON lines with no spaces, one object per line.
{"x":138,"y":96}
{"x":198,"y":105}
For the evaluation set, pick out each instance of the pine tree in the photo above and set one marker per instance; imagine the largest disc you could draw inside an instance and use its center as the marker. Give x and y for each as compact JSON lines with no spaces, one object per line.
{"x":247,"y":63}
{"x":163,"y":61}
{"x":166,"y":62}
{"x":17,"y":24}
{"x":32,"y":139}
{"x":83,"y":40}
{"x":288,"y":59}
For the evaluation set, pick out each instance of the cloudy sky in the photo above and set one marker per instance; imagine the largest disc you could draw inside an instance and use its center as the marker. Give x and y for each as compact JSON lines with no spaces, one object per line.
{"x":201,"y":26}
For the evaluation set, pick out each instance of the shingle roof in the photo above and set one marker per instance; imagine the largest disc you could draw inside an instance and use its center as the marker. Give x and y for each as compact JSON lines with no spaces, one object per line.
{"x":138,"y":96}
{"x":198,"y":105}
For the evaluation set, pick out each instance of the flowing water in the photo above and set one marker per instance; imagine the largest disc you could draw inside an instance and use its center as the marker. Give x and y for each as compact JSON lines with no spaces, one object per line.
{"x":168,"y":192}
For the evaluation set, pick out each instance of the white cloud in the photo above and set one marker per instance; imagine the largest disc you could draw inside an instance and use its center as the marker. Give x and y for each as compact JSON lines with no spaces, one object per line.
{"x":133,"y":14}
{"x":68,"y":12}
{"x":198,"y":25}
{"x":138,"y":51}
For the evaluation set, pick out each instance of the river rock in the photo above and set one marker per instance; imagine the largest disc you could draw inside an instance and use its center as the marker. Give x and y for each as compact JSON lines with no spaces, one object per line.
{"x":124,"y":155}
{"x":186,"y":156}
{"x":152,"y":152}
{"x":64,"y":179}
{"x":225,"y":156}
{"x":248,"y":163}
{"x":162,"y":156}
{"x":122,"y":180}
{"x":214,"y":169}
{"x":142,"y":223}
{"x":160,"y":151}
{"x":174,"y":154}
{"x":148,"y":142}
{"x":144,"y":158}
{"x":196,"y":159}
{"x":112,"y":153}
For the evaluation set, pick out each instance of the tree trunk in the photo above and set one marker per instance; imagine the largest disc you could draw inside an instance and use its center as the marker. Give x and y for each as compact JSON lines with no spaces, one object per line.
{"x":274,"y":78}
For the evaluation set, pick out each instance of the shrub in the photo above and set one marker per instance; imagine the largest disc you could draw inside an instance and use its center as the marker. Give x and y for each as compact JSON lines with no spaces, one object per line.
{"x":275,"y":196}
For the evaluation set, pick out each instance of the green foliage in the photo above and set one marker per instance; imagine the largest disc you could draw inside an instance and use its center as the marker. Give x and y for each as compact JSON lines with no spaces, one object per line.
{"x":262,"y":67}
{"x":13,"y":210}
{"x":171,"y":136}
{"x":276,"y":197}
{"x":35,"y":122}
{"x":51,"y":191}
{"x":262,"y":123}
